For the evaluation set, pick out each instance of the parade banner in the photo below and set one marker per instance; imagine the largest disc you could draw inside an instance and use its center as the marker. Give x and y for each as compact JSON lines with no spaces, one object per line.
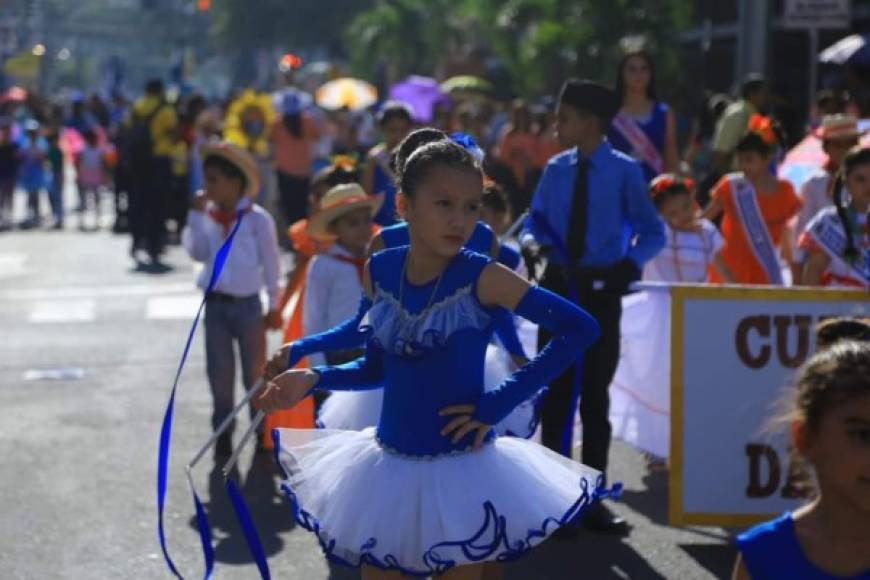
{"x":733,"y":353}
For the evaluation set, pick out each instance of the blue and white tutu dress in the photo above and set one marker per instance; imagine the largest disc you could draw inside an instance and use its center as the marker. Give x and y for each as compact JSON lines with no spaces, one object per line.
{"x":400,"y":495}
{"x":357,"y":410}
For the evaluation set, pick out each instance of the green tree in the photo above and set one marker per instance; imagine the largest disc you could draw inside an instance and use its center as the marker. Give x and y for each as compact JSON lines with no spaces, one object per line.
{"x":539,"y":41}
{"x":297,"y":25}
{"x":406,"y":36}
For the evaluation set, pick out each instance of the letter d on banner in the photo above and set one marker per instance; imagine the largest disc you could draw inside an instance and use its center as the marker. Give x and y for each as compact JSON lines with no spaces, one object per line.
{"x":757,"y":488}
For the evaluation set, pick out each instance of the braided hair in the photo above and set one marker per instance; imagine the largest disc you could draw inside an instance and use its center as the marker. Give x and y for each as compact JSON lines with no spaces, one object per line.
{"x":856,"y":157}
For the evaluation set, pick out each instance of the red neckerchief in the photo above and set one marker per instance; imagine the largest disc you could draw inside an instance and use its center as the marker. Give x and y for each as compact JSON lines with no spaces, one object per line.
{"x":358,"y":263}
{"x":226,"y":218}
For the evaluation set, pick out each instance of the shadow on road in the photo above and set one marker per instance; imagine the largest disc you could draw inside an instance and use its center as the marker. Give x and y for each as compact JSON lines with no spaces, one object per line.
{"x":718,"y":559}
{"x":267,"y":507}
{"x":589,"y":556}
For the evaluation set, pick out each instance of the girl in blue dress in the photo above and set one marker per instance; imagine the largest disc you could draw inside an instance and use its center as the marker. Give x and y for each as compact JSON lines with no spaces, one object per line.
{"x":360,"y":409}
{"x":432,"y":490}
{"x":830,"y":537}
{"x":395,"y":122}
{"x":645,"y":127}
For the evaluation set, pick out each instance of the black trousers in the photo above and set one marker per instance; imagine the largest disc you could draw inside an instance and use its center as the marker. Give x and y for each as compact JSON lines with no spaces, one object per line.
{"x":597,"y":370}
{"x":149,"y":205}
{"x":293,"y":192}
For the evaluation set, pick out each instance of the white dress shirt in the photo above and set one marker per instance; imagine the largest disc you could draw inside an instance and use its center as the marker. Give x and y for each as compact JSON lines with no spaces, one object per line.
{"x":332,"y":295}
{"x":253,"y":260}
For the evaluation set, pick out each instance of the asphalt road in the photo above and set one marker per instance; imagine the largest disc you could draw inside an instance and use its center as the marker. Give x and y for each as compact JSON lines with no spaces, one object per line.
{"x":88,"y":350}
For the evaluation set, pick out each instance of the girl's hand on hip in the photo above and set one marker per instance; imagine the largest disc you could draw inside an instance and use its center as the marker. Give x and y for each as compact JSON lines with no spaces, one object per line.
{"x":285,"y":390}
{"x":464,"y":423}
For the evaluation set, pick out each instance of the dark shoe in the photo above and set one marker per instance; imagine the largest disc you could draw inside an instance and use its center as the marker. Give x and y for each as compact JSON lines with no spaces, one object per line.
{"x":601,"y":520}
{"x":121,"y":226}
{"x":567,"y":533}
{"x":224,"y":446}
{"x":261,"y":448}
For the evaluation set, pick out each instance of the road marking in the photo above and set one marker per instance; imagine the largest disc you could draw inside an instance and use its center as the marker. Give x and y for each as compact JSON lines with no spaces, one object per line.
{"x":12,"y":264}
{"x":172,"y":307}
{"x":61,"y":374}
{"x":46,"y":311}
{"x":67,"y":292}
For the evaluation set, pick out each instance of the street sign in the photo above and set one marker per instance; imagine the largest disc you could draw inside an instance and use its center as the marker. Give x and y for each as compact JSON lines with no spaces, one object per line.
{"x":803,"y":14}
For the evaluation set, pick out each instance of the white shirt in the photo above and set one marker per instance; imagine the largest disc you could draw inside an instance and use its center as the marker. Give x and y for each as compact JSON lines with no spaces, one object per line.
{"x":686,"y":256}
{"x":332,"y":295}
{"x":814,"y":194}
{"x":253,"y":260}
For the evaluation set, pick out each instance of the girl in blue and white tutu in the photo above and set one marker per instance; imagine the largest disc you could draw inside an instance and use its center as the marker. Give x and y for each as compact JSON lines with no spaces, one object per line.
{"x":432,"y":490}
{"x":357,"y":410}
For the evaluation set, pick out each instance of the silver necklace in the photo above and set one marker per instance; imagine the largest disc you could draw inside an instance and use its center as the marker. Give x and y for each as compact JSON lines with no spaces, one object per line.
{"x":422,"y":316}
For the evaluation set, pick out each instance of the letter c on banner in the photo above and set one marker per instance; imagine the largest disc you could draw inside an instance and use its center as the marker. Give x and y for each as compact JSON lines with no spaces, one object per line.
{"x":761,"y":324}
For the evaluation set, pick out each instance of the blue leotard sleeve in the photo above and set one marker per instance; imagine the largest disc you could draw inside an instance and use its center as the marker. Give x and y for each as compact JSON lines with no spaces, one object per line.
{"x":573,"y":330}
{"x":345,"y":336}
{"x":506,"y":331}
{"x":363,"y":374}
{"x":508,"y":257}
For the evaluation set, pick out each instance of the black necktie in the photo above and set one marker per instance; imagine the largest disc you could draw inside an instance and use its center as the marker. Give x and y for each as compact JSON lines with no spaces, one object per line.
{"x":579,"y":210}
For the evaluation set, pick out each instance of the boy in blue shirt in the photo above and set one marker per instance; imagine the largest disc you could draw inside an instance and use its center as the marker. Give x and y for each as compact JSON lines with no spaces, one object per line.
{"x":593,"y":218}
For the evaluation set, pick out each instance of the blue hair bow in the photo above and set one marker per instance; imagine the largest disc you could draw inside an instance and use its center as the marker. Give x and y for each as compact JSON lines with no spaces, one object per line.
{"x":469,"y":144}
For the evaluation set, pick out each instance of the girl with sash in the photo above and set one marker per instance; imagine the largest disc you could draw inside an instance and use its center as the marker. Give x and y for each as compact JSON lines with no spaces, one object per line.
{"x":837,"y":240}
{"x":644,"y":128}
{"x":755,"y":207}
{"x":395,"y":122}
{"x":432,"y":490}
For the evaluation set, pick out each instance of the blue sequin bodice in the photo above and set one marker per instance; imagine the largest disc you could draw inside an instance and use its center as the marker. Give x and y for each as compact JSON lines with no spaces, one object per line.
{"x":433,"y":358}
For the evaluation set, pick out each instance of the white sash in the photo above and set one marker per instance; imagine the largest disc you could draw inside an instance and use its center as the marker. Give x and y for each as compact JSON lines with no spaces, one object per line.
{"x":827,"y":231}
{"x":642,"y":148}
{"x":749,"y":214}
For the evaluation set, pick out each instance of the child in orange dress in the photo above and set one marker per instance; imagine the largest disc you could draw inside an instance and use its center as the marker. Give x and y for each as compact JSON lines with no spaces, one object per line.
{"x":756,"y":208}
{"x":341,"y":171}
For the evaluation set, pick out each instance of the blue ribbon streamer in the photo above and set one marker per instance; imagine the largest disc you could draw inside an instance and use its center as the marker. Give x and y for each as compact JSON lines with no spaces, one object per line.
{"x":247,"y":523}
{"x":166,"y":428}
{"x":540,"y":222}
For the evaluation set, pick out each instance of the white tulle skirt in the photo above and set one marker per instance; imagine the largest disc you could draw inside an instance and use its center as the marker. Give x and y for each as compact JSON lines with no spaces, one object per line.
{"x":424,"y":516}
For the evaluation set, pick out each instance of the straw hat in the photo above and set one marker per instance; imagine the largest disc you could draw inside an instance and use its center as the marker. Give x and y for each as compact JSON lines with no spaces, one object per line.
{"x":838,"y":127}
{"x":241,"y":159}
{"x":338,"y":201}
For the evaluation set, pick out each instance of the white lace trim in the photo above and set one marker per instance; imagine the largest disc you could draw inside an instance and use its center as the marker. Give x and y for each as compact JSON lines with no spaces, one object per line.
{"x":430,"y":457}
{"x":398,"y":331}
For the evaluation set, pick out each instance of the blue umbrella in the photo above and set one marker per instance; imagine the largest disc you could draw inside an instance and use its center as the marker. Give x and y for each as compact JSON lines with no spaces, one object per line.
{"x":853,"y":50}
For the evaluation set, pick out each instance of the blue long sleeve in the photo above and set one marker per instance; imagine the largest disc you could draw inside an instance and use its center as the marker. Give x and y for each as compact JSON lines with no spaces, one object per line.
{"x":646,"y":224}
{"x":573,"y":330}
{"x":343,"y":337}
{"x":363,"y":374}
{"x":506,"y":331}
